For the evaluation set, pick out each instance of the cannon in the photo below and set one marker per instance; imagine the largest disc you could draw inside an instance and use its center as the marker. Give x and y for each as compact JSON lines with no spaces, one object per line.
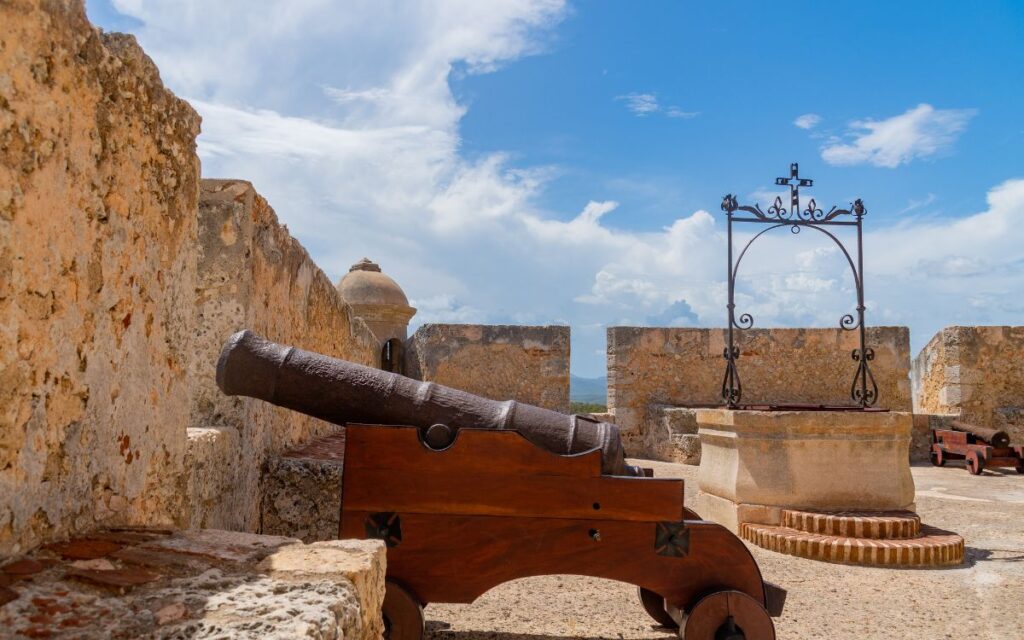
{"x":977,"y":446}
{"x":344,"y":392}
{"x":468,"y":493}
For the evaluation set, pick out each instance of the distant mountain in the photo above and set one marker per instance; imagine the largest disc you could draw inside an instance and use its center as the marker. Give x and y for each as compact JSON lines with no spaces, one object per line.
{"x":588,"y":389}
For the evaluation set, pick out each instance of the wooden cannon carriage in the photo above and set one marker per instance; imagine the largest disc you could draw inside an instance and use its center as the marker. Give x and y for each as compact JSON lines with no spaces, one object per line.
{"x":978,"y":447}
{"x":463,"y":510}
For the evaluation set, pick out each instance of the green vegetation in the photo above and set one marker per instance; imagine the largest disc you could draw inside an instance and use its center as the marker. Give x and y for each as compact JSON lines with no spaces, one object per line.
{"x":587,"y":407}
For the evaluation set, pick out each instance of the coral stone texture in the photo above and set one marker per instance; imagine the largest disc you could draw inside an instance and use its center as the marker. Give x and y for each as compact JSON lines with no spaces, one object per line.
{"x":122,"y":276}
{"x":976,"y":373}
{"x":500,"y":362}
{"x":98,"y":187}
{"x":253,"y":274}
{"x":754,"y":464}
{"x":196,"y":584}
{"x":653,"y":367}
{"x":302,"y":490}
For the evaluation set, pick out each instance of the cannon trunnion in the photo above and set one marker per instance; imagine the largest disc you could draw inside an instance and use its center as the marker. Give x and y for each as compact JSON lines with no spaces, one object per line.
{"x":468,"y":493}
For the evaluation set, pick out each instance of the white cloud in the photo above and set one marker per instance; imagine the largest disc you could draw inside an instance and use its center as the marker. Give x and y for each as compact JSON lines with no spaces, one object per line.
{"x":676,"y":112}
{"x":641,"y":104}
{"x":644,"y":104}
{"x":445,"y":309}
{"x":807,"y":121}
{"x":919,"y":133}
{"x":918,"y":203}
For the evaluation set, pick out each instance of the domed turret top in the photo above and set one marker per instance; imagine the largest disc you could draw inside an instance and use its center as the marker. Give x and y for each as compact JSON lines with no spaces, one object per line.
{"x":366,"y":284}
{"x":377,"y":299}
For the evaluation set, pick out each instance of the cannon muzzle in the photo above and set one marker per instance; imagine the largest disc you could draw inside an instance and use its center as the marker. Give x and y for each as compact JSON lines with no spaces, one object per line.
{"x":340,"y":392}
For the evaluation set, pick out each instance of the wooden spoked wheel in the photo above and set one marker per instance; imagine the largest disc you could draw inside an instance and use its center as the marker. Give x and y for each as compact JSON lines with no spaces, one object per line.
{"x":403,"y":614}
{"x":654,"y":605}
{"x":974,"y":463}
{"x":728,"y":615}
{"x":938,"y":458}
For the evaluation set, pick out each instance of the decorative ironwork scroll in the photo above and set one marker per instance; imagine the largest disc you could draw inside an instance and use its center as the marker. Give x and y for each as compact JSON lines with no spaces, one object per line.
{"x":864,"y":390}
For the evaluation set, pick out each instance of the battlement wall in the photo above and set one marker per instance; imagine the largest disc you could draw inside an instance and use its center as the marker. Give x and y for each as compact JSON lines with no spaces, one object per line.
{"x":652,"y":368}
{"x":252,"y":274}
{"x":502,"y":362}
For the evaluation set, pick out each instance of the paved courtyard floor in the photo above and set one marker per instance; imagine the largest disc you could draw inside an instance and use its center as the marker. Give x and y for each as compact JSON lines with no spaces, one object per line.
{"x":983,"y":598}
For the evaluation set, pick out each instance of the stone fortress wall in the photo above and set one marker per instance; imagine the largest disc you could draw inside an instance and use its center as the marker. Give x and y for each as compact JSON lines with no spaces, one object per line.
{"x":976,"y":374}
{"x":657,"y":375}
{"x":116,"y":297}
{"x":99,"y":182}
{"x":528,"y":364}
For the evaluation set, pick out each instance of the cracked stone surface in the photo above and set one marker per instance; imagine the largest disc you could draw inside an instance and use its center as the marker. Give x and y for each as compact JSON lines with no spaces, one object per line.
{"x":195,"y":584}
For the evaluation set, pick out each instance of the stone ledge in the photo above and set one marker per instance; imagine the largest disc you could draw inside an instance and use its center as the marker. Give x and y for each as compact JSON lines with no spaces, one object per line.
{"x":302,"y":490}
{"x":152,"y":583}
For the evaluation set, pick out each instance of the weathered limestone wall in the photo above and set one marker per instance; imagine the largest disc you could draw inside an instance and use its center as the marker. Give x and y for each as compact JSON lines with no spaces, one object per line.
{"x":684,"y":367}
{"x":253,"y":275}
{"x":117,"y":290}
{"x":98,"y":190}
{"x":501,"y":362}
{"x":976,"y":373}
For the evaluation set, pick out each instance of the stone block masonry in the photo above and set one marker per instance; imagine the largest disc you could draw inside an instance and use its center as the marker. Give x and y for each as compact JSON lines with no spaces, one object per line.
{"x":650,"y":368}
{"x":976,"y":373}
{"x":500,"y":362}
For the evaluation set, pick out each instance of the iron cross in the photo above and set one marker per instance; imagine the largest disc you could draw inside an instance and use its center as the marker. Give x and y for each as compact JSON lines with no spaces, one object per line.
{"x":794,"y":182}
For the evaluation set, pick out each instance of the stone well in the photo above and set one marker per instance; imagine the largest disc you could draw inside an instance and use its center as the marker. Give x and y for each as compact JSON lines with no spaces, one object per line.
{"x":755,"y":464}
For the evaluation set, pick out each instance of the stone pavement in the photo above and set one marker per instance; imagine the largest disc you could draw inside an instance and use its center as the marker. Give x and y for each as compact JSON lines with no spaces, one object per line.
{"x":147,"y":583}
{"x":979,"y":599}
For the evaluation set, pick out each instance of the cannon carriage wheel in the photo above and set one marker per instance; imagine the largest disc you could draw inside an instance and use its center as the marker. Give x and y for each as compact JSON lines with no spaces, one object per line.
{"x":975,"y":462}
{"x":402,"y":613}
{"x":938,"y":456}
{"x":654,"y":605}
{"x":728,"y":615}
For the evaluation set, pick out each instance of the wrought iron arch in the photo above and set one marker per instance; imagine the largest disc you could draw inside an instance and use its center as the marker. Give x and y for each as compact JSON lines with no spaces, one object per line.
{"x":864,"y":390}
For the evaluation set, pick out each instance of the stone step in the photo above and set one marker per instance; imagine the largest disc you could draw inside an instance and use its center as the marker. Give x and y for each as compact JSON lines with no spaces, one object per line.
{"x":885,"y":525}
{"x":934,"y":547}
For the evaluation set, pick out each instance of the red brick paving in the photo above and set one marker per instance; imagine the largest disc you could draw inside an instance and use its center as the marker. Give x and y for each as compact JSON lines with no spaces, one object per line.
{"x":884,"y":538}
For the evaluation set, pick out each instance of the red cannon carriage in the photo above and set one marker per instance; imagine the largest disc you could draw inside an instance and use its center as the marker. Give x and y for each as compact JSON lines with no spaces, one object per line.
{"x":978,"y":447}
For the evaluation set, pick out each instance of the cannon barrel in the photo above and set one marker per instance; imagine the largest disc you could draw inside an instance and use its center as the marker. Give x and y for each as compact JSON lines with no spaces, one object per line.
{"x":994,"y":437}
{"x":339,"y":391}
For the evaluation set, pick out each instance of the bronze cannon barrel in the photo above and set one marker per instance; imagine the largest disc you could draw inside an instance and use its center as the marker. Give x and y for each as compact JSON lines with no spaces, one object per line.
{"x":993,"y":437}
{"x":340,"y":391}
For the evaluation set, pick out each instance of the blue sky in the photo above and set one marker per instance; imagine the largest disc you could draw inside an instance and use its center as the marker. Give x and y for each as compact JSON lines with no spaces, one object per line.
{"x":547,"y":162}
